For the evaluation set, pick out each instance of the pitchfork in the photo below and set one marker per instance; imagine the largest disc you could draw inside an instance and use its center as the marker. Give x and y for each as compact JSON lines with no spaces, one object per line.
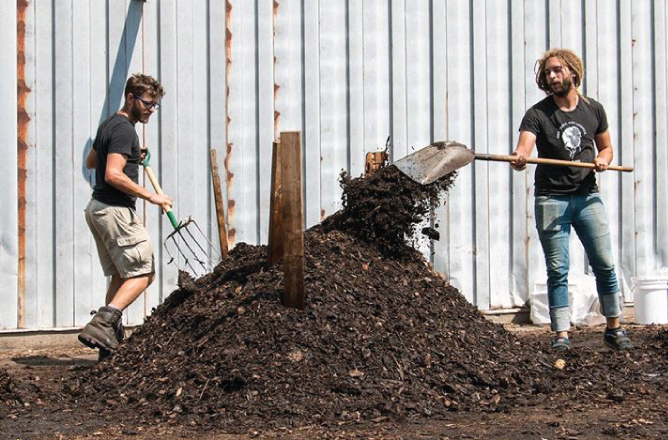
{"x":187,"y":244}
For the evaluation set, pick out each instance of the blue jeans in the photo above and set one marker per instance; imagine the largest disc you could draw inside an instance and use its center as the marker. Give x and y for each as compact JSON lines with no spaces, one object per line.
{"x":586,"y":214}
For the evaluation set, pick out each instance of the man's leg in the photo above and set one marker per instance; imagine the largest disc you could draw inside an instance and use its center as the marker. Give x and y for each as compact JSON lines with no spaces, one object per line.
{"x":114,"y":285}
{"x":553,"y":225}
{"x":123,"y":292}
{"x":591,"y":225}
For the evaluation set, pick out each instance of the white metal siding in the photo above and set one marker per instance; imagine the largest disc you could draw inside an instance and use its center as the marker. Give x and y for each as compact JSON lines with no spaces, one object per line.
{"x":347,"y":73}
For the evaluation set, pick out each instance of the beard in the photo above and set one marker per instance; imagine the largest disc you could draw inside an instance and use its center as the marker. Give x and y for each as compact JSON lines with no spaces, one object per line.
{"x":138,"y":114}
{"x":566,"y":87}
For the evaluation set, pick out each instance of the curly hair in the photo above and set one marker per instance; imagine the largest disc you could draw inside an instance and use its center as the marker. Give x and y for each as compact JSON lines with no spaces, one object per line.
{"x":138,"y":84}
{"x":568,"y":59}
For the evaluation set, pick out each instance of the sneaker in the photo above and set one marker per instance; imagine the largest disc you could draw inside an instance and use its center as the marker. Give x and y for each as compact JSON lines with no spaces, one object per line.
{"x":561,"y":344}
{"x":617,"y":339}
{"x":100,"y":332}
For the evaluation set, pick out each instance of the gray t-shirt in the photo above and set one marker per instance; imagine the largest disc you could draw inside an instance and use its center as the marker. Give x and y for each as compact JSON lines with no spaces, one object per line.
{"x":116,"y":135}
{"x":565,"y":136}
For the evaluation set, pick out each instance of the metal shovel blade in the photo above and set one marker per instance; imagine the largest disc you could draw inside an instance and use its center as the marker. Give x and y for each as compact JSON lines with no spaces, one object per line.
{"x":435,"y":161}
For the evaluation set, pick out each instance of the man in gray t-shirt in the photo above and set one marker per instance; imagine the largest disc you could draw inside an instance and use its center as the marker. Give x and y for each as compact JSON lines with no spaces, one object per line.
{"x":567,"y":125}
{"x":123,"y":244}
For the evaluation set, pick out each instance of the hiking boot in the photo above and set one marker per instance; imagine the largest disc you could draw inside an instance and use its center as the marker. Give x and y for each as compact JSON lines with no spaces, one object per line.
{"x":561,"y":344}
{"x":103,"y":354}
{"x":617,"y":339}
{"x":100,"y":332}
{"x":119,"y":331}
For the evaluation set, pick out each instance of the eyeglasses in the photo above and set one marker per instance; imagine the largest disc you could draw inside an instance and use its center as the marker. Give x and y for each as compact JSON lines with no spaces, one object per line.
{"x":149,"y":105}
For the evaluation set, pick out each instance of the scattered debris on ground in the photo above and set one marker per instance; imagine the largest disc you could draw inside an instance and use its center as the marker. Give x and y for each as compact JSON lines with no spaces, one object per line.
{"x":15,"y":393}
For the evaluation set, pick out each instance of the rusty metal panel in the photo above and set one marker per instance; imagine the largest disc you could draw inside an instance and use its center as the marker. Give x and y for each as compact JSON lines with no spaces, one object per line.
{"x":9,"y":227}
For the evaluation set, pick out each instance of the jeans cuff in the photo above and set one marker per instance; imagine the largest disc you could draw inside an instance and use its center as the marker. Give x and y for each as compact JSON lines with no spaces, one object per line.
{"x":560,"y":318}
{"x":610,"y":305}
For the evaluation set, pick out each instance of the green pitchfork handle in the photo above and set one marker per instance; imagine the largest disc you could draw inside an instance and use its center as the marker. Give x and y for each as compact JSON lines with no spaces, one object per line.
{"x":158,"y":189}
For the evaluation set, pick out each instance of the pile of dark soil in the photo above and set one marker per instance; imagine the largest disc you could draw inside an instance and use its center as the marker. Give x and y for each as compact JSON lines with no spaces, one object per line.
{"x":383,"y":337}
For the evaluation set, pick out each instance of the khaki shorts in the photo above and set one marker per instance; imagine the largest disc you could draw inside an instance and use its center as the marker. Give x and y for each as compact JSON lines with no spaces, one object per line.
{"x":122,"y":241}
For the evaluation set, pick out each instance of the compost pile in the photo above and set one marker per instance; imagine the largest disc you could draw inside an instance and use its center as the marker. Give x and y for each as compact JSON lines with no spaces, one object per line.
{"x":382,"y":337}
{"x":13,"y":392}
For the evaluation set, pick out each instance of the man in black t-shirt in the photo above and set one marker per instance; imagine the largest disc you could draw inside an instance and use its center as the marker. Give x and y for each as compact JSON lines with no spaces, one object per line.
{"x":569,"y":126}
{"x":123,"y":244}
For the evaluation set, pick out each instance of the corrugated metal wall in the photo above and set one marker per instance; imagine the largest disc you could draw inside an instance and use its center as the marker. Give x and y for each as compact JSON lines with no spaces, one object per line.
{"x":347,"y":73}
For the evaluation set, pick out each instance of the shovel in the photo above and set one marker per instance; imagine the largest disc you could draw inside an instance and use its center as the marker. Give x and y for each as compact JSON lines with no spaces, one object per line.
{"x":187,"y":243}
{"x":441,"y":158}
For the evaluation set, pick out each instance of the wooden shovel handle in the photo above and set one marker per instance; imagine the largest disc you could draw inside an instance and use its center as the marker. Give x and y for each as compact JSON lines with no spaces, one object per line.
{"x":540,"y":160}
{"x":158,"y":189}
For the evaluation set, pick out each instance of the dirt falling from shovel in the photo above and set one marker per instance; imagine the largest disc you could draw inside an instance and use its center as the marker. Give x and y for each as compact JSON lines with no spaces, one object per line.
{"x":382,"y":337}
{"x":387,"y":207}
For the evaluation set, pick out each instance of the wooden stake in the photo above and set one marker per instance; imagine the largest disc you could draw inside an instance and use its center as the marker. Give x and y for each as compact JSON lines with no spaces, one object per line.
{"x":374,"y":162}
{"x":218,"y":196}
{"x":275,"y":208}
{"x":292,"y":219}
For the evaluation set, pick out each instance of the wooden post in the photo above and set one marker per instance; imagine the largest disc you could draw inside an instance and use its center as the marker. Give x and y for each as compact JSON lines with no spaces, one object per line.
{"x":275,"y":208}
{"x":218,"y":196}
{"x":292,"y":219}
{"x":374,"y":162}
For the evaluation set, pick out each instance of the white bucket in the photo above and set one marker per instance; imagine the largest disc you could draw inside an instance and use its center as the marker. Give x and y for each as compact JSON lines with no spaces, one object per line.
{"x":650,"y":297}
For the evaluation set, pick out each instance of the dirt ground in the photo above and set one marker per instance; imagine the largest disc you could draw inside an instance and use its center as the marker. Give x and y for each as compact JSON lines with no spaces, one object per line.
{"x":641,"y":415}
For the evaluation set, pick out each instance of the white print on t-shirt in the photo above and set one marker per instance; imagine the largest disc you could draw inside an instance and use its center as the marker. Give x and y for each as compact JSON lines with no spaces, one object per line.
{"x":571,"y":134}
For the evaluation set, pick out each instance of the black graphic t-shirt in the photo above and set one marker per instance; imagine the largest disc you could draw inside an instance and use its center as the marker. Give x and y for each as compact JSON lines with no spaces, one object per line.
{"x":566,"y":136}
{"x":116,"y":135}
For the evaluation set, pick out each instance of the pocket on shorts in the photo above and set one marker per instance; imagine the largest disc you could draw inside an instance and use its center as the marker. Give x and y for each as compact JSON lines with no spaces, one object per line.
{"x":136,"y":251}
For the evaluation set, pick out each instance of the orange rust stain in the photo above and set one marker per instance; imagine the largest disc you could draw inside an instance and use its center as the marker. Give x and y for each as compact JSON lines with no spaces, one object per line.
{"x":229,"y":147}
{"x":23,"y":120}
{"x":323,"y":214}
{"x":277,"y":114}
